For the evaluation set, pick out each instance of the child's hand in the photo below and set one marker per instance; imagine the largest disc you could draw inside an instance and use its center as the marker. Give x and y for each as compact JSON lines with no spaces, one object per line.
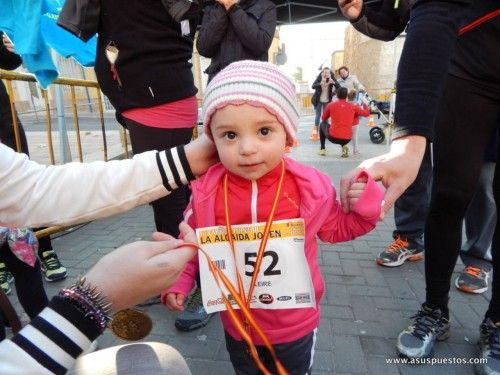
{"x":355,"y":190}
{"x":175,"y":301}
{"x":186,"y":233}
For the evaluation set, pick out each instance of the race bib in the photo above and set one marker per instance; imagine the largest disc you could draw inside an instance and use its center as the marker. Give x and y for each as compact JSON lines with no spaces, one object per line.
{"x":284,"y":279}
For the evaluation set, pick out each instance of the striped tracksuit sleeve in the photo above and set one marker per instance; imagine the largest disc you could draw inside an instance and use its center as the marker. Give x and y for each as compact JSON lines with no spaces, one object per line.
{"x":50,"y":343}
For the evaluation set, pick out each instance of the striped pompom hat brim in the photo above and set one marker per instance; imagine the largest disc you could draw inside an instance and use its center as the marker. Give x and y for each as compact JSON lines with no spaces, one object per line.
{"x":257,"y":83}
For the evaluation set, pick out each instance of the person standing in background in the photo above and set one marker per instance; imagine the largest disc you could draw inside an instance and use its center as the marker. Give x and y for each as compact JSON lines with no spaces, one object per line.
{"x":234,"y":30}
{"x":143,"y":66}
{"x":350,"y":81}
{"x":324,"y":87}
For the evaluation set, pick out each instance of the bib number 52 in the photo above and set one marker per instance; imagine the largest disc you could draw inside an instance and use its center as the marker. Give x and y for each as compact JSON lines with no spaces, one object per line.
{"x":250,"y":259}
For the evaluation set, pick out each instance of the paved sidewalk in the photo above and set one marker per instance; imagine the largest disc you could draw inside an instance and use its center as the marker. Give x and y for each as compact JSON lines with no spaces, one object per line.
{"x":364,"y":307}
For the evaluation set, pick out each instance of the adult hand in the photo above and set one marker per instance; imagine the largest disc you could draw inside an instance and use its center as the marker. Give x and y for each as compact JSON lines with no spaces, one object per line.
{"x":140,"y":270}
{"x":351,"y":9}
{"x":201,"y":154}
{"x":8,"y":43}
{"x":397,"y":170}
{"x":227,"y":4}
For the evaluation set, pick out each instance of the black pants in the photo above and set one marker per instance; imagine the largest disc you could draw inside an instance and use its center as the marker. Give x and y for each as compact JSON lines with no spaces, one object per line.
{"x":7,"y":135}
{"x":468,"y":117}
{"x":480,"y":221}
{"x":295,"y":356}
{"x":168,"y":210}
{"x":44,"y":243}
{"x":28,"y":282}
{"x":411,"y":208}
{"x":324,"y":135}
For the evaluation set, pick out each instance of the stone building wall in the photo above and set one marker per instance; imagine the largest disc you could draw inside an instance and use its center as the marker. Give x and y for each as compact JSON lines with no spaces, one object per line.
{"x":374,"y":62}
{"x":337,"y":59}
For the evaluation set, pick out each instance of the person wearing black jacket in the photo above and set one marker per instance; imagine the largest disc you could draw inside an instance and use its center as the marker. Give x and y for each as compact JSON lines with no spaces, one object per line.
{"x":143,"y":67}
{"x":457,"y":78}
{"x":324,"y":86}
{"x":234,"y":30}
{"x":9,"y":61}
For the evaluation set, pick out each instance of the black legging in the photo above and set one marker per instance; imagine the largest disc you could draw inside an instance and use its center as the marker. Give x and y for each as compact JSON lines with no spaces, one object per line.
{"x":44,"y":243}
{"x":7,"y":136}
{"x":324,"y":134}
{"x":168,"y":210}
{"x":468,"y":117}
{"x":28,"y":283}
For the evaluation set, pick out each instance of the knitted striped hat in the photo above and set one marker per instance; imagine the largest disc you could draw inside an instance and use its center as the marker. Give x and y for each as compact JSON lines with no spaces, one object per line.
{"x":259,"y":84}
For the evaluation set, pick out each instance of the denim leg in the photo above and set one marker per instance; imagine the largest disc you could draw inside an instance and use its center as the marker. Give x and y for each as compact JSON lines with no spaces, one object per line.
{"x":354,"y":139}
{"x":411,"y":208}
{"x":319,"y":111}
{"x":480,"y":221}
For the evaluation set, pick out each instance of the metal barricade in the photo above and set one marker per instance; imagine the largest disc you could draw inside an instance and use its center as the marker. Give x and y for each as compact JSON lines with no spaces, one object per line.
{"x":304,"y":102}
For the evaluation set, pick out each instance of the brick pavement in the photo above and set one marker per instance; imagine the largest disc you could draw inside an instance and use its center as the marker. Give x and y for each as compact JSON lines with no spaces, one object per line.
{"x":364,"y":307}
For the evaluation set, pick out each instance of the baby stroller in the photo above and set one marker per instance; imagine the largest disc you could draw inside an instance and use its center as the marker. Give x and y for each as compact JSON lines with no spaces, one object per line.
{"x":381,"y":109}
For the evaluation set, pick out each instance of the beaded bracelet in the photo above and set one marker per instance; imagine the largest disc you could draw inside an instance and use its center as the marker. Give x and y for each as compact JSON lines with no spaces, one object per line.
{"x":89,"y":301}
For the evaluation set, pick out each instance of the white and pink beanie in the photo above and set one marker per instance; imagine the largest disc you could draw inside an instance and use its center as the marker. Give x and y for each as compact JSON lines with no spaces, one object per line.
{"x":257,"y":83}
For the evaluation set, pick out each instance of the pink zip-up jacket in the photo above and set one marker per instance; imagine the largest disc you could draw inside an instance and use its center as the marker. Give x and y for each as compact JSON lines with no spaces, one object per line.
{"x":323,"y":217}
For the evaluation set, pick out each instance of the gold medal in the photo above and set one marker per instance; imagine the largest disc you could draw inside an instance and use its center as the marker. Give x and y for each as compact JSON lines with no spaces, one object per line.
{"x":131,"y":325}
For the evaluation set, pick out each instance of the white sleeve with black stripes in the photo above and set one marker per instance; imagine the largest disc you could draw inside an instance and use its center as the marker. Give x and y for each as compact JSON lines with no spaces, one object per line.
{"x":50,"y":343}
{"x":174,"y":168}
{"x":35,"y":195}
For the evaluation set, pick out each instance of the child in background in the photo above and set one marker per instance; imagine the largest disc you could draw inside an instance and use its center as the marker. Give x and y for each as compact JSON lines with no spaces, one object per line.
{"x":18,"y":247}
{"x":352,"y":96}
{"x":250,"y":111}
{"x":49,"y":261}
{"x":341,"y":114}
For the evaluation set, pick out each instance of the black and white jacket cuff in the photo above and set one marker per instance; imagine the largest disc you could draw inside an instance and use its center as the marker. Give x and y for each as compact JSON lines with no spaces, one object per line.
{"x":174,"y":168}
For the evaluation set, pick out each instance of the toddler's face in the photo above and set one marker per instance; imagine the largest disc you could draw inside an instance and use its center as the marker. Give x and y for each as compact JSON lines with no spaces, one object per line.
{"x":250,"y":140}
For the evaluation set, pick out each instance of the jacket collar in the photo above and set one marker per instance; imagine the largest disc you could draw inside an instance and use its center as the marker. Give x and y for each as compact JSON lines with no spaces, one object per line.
{"x":312,"y":195}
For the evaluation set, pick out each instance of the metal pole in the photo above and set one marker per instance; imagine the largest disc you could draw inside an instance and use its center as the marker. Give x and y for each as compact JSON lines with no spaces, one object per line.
{"x":64,"y":150}
{"x":89,"y":102}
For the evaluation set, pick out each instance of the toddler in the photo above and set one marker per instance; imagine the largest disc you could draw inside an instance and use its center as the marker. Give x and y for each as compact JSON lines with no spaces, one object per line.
{"x":251,"y":114}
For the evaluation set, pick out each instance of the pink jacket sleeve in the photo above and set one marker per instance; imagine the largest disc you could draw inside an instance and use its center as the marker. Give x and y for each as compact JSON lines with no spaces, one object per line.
{"x":340,"y":226}
{"x":186,"y":280}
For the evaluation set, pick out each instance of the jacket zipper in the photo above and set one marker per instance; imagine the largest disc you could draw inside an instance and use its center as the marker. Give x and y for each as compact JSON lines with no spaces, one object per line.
{"x":253,"y":202}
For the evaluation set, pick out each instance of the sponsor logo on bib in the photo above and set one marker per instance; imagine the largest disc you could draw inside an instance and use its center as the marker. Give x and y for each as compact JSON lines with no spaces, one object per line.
{"x":266,"y":298}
